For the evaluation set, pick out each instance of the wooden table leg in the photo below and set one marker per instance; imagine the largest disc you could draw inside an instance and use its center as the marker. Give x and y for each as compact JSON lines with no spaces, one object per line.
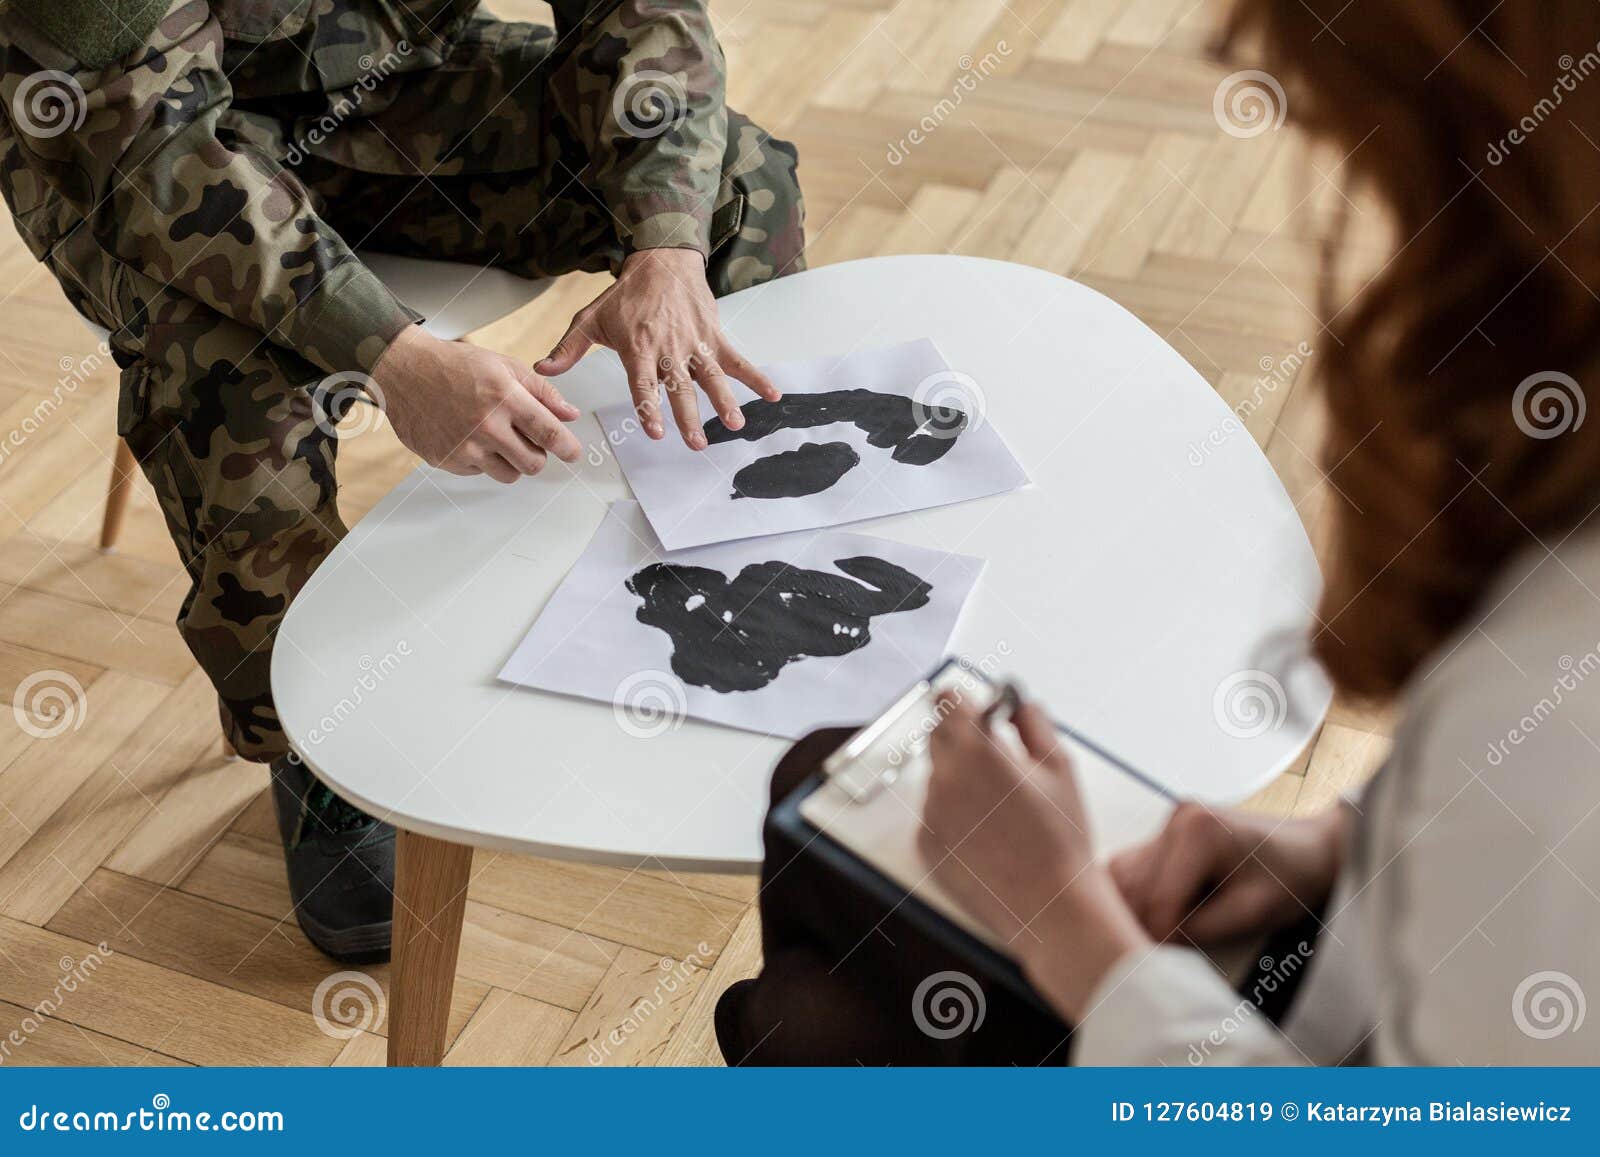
{"x":430,"y":901}
{"x":123,"y":472}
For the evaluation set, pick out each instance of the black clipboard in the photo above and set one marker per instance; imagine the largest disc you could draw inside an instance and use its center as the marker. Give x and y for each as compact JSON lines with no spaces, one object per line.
{"x":984,"y":962}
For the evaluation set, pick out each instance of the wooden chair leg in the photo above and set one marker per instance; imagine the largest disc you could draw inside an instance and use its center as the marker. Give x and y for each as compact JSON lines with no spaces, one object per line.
{"x":430,"y":902}
{"x":123,"y":472}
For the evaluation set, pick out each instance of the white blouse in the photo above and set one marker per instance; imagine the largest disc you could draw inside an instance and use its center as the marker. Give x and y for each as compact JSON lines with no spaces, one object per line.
{"x":1464,"y":927}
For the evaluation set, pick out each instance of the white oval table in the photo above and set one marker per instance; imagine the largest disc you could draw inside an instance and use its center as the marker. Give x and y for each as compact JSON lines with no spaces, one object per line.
{"x":1153,"y":586}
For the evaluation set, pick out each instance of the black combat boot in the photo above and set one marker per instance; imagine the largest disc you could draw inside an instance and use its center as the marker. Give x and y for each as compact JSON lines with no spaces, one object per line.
{"x":341,"y":866}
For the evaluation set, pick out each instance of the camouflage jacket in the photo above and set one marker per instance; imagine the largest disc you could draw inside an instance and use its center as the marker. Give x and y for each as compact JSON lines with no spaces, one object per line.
{"x":143,"y":145}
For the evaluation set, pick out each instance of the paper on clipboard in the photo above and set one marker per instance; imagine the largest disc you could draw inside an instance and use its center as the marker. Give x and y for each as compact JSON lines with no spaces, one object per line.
{"x":873,"y":797}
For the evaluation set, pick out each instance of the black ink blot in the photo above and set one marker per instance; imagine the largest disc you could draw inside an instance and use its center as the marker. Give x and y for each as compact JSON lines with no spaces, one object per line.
{"x":737,"y":636}
{"x":914,"y":434}
{"x":809,"y":470}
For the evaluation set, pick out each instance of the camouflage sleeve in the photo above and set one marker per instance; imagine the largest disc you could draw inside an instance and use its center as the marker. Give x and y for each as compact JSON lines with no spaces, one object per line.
{"x":641,"y":83}
{"x":133,"y":147}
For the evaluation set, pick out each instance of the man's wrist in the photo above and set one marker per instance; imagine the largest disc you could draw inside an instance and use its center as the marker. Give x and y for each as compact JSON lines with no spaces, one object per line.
{"x":682,"y":256}
{"x":399,"y":351}
{"x":671,"y":229}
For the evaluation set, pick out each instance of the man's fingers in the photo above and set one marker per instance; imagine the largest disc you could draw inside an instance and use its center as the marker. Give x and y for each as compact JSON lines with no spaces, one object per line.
{"x":643,"y":384}
{"x":543,"y":430}
{"x":520,"y":450}
{"x":715,"y":384}
{"x":530,"y":420}
{"x":572,"y":346}
{"x":498,"y":468}
{"x":551,"y":398}
{"x":681,"y":397}
{"x":739,"y":366}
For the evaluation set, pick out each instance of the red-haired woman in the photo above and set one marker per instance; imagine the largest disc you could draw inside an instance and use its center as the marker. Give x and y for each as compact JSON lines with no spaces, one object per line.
{"x":1456,"y":900}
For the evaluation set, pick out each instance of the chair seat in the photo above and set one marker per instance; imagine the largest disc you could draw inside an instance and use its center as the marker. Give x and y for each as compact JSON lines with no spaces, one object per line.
{"x":454,"y":297}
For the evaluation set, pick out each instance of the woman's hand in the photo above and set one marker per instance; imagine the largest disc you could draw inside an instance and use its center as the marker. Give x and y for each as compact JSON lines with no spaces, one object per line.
{"x":661,"y":319}
{"x":1007,"y":834}
{"x":1214,"y":875}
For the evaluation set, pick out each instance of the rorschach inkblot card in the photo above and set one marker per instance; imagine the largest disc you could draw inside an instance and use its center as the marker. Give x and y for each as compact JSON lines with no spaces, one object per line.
{"x":861,"y":435}
{"x":781,"y":635}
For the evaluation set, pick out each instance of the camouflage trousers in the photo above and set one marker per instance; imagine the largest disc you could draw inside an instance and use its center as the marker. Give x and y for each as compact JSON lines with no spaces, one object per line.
{"x":223,"y":421}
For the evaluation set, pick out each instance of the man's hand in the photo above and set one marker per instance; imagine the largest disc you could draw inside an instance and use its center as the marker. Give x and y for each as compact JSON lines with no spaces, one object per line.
{"x":661,"y":319}
{"x":469,"y":410}
{"x":1214,"y":875}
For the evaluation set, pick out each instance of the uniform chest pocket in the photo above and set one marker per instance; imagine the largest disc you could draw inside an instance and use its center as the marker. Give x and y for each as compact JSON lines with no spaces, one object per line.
{"x":258,"y":21}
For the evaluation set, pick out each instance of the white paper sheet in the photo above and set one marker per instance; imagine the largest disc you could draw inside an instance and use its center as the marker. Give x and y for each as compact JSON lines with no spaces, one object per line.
{"x":930,"y":411}
{"x":589,"y":640}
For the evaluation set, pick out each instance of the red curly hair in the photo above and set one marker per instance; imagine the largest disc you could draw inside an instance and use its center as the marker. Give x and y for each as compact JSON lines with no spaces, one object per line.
{"x":1454,"y":379}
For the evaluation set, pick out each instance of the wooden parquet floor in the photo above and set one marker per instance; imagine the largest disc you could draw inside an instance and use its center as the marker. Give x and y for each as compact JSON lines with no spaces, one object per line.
{"x":1083,"y":140}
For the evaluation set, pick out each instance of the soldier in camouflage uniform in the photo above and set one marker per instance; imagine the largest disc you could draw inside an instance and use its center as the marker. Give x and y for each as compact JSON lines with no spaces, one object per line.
{"x":227,"y":278}
{"x":197,"y":175}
